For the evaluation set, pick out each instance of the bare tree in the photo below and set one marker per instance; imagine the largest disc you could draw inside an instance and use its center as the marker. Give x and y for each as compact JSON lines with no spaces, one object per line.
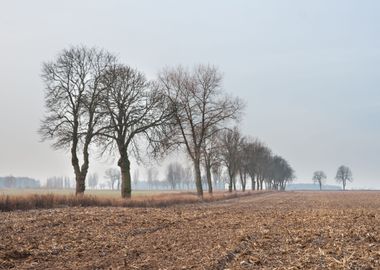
{"x":151,"y":176}
{"x":243,"y":162}
{"x":217,"y":170}
{"x":72,"y":100}
{"x":344,"y":175}
{"x":256,"y":162}
{"x":188,"y":177}
{"x":319,"y":177}
{"x":174,"y":174}
{"x":93,"y":180}
{"x":134,"y":109}
{"x":230,"y":143}
{"x":263,"y":162}
{"x":200,"y":109}
{"x":279,"y":173}
{"x":253,"y":149}
{"x":211,"y":157}
{"x":113,"y":175}
{"x":136,"y":177}
{"x":66,"y":182}
{"x":55,"y":182}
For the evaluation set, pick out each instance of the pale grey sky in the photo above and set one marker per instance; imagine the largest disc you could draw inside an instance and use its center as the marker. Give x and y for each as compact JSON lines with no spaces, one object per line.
{"x":308,"y":71}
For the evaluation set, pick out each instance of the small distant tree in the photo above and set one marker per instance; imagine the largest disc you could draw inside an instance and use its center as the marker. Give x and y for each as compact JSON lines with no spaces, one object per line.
{"x":319,"y":177}
{"x":10,"y":181}
{"x":66,"y":182}
{"x":217,"y":171}
{"x":344,"y":175}
{"x":113,"y":175}
{"x":187,"y":177}
{"x":151,"y":173}
{"x":136,"y":177}
{"x":93,"y":180}
{"x":174,"y":174}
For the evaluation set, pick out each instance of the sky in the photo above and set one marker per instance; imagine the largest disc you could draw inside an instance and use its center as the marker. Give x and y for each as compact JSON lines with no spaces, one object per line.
{"x":308,"y":71}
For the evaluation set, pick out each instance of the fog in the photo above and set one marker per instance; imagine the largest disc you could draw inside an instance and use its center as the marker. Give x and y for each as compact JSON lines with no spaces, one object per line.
{"x":308,"y":72}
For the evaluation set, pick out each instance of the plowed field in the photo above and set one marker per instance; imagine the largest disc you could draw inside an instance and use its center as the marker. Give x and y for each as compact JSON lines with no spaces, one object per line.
{"x":287,"y":230}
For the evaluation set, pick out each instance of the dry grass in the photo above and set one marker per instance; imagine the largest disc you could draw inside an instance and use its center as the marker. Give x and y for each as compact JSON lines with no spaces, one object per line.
{"x":47,"y":201}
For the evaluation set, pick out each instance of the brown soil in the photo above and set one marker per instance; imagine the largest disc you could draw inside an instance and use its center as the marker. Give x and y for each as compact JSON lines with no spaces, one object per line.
{"x":287,"y":230}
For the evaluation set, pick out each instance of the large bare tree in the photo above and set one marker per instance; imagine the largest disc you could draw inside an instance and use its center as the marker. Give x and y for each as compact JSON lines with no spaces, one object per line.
{"x":72,"y":101}
{"x":201,"y":108}
{"x":135,"y":109}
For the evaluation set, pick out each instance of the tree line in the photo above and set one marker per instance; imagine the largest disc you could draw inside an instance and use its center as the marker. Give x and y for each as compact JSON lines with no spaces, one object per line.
{"x":18,"y":182}
{"x":95,"y":102}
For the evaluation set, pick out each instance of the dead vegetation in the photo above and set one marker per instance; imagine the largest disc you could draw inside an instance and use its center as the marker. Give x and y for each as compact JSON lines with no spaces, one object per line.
{"x":48,"y":201}
{"x":287,"y":230}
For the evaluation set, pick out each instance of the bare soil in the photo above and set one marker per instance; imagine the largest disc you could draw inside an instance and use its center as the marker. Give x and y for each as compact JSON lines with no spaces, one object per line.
{"x":285,"y":230}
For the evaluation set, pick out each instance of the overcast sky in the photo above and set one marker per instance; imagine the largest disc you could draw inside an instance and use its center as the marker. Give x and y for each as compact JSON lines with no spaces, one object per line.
{"x":309,"y":71}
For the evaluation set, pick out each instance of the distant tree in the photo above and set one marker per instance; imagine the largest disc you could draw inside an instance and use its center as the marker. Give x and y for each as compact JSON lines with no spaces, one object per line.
{"x":200,"y":108}
{"x":72,"y":100}
{"x":136,"y":177}
{"x":113,"y":175}
{"x":230,"y":144}
{"x":217,"y":170}
{"x":174,"y":174}
{"x":253,"y":151}
{"x":66,"y":182}
{"x":151,"y":176}
{"x":188,"y":177}
{"x":344,"y":175}
{"x":319,"y":177}
{"x":55,"y":182}
{"x":93,"y":180}
{"x":280,"y":172}
{"x":10,"y":181}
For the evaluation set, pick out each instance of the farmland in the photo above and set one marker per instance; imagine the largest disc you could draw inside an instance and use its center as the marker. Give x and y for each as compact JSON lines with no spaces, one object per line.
{"x":278,"y":230}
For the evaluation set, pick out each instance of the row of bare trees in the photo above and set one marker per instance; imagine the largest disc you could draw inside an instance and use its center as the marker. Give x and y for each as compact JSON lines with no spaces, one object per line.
{"x":249,"y":159}
{"x":95,"y":102}
{"x":230,"y":158}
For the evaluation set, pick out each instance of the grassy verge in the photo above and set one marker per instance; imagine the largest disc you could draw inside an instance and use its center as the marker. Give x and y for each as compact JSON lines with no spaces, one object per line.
{"x":46,"y":201}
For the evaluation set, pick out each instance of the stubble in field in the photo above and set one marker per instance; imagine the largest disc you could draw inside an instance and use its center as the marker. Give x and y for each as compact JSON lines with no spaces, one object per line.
{"x":288,"y":230}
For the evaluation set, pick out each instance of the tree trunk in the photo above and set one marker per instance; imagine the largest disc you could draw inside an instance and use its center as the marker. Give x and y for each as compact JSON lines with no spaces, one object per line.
{"x":261,"y":183}
{"x":80,"y":172}
{"x":243,"y":180}
{"x":230,"y":183}
{"x":80,"y":184}
{"x":257,"y":183}
{"x":208,"y":175}
{"x":198,"y":177}
{"x":125,"y":169}
{"x":344,"y":185}
{"x":320,"y":185}
{"x":253,"y":183}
